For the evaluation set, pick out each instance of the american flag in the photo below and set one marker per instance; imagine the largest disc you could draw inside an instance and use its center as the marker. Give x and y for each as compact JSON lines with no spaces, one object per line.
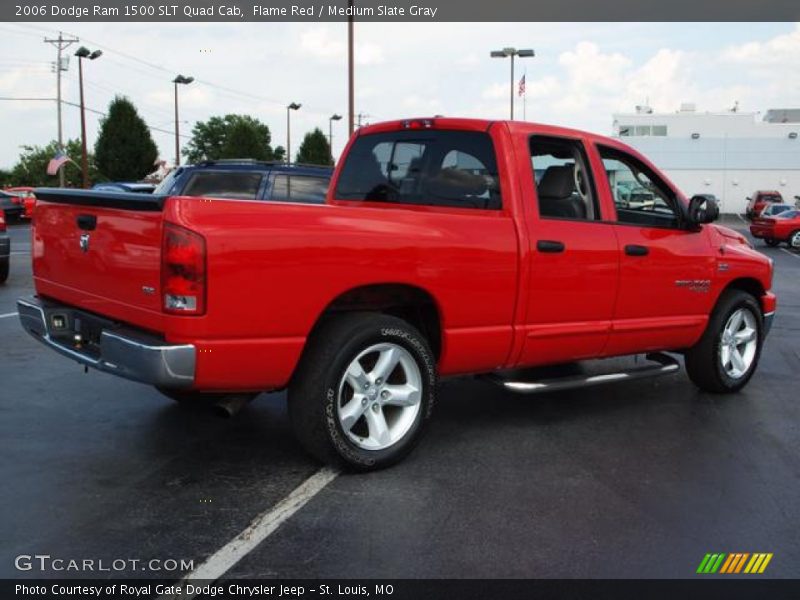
{"x":522,"y":86}
{"x":57,"y":162}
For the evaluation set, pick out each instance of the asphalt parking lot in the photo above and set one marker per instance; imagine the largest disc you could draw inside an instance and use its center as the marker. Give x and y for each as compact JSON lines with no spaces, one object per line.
{"x":631,"y":480}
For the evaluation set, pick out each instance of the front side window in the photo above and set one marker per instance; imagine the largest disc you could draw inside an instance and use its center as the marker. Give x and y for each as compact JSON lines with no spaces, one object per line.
{"x":240,"y":185}
{"x":640,"y":197}
{"x":564,"y":184}
{"x":434,"y":168}
{"x":299,"y":188}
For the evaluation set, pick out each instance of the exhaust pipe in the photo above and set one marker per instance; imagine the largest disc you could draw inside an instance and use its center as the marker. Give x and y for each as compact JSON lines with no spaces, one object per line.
{"x":230,"y":405}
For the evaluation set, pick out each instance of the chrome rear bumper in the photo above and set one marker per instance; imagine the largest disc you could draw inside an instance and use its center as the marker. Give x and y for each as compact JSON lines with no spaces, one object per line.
{"x":107,"y":346}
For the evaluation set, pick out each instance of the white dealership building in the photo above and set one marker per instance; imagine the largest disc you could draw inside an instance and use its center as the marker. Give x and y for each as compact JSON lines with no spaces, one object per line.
{"x":729,"y":154}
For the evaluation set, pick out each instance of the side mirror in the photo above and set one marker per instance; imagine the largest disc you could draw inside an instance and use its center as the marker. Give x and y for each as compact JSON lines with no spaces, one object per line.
{"x":703,"y":208}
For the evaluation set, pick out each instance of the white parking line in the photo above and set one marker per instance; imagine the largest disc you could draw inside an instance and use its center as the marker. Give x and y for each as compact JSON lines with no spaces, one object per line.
{"x":5,"y":316}
{"x":790,"y":253}
{"x":259,"y":529}
{"x":742,"y":218}
{"x":22,"y":253}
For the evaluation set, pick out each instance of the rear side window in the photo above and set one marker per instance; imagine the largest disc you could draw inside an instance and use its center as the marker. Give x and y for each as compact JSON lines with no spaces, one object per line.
{"x":240,"y":185}
{"x":564,"y":184}
{"x":299,"y":188}
{"x":434,"y":168}
{"x":770,"y":198}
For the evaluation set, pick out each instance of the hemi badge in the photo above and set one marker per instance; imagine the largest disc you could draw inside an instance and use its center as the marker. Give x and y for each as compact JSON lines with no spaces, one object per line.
{"x":149,"y":290}
{"x":723,"y":266}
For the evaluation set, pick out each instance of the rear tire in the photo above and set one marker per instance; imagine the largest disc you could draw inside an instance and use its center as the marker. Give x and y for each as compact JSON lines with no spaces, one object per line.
{"x":4,"y":264}
{"x":363,"y":391}
{"x":725,"y":358}
{"x":771,"y":243}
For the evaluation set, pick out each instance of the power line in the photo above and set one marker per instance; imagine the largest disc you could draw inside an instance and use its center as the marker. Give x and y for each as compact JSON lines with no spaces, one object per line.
{"x":25,"y":99}
{"x":88,"y":108}
{"x":163,"y":69}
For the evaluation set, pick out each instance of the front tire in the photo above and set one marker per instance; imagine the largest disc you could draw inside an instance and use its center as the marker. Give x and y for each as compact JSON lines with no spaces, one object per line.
{"x":363,"y":391}
{"x":725,"y":358}
{"x":794,"y":240}
{"x":4,"y":270}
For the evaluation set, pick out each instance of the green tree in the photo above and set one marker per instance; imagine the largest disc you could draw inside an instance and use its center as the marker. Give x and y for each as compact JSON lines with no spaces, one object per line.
{"x":31,"y":167}
{"x":231,"y":136}
{"x":125,"y":150}
{"x":279,"y":153}
{"x":315,"y":149}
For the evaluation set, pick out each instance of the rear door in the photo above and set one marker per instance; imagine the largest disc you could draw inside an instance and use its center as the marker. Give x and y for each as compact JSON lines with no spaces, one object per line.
{"x":666,"y":272}
{"x":574,"y":268}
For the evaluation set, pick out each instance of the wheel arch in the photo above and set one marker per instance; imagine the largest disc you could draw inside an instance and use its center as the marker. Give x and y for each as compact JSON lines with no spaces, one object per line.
{"x":750,"y":285}
{"x":409,"y":302}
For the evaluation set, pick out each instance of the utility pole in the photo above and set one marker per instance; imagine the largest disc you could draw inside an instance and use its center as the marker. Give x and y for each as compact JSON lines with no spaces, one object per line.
{"x":61,"y":44}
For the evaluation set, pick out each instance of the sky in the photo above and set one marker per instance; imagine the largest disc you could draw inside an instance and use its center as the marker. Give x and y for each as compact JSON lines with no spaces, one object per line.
{"x":582,"y":73}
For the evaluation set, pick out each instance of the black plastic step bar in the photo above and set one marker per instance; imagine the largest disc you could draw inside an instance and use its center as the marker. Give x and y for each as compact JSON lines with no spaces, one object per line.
{"x":663,"y":364}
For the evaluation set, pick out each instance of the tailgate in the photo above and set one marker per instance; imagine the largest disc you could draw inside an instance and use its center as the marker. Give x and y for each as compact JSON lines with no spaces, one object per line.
{"x":100,"y":251}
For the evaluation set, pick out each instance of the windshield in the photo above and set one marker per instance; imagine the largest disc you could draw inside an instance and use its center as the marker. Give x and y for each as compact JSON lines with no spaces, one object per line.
{"x":789,"y":214}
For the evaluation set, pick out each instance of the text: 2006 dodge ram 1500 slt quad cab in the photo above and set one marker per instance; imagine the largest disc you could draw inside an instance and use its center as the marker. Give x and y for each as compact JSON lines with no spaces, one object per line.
{"x":445,"y":246}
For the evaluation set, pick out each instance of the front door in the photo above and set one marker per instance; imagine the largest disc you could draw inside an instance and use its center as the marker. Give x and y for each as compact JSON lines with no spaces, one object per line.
{"x":666,"y":272}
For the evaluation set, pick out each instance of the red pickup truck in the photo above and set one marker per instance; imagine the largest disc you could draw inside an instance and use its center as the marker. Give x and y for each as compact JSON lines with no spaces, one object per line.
{"x":445,"y":247}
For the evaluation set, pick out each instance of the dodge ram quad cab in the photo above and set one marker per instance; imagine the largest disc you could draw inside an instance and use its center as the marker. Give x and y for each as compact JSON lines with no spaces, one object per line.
{"x":444,"y":247}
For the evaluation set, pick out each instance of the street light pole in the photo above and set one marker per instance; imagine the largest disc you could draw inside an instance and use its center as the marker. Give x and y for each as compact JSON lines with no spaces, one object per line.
{"x":82,"y":53}
{"x":511,"y":53}
{"x":330,"y":132}
{"x":185,"y":81}
{"x":291,"y":107}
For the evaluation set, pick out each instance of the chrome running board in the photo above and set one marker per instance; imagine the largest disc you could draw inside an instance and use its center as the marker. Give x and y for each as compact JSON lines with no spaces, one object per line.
{"x":663,"y":364}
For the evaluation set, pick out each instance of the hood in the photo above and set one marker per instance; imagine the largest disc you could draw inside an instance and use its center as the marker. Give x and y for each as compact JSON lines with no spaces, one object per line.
{"x":731,"y":235}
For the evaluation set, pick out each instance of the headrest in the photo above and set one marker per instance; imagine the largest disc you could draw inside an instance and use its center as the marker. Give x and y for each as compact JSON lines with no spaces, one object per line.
{"x":557,"y":182}
{"x":454,"y":183}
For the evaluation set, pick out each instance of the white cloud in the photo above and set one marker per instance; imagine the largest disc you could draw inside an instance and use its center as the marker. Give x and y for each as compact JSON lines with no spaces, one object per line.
{"x":781,"y":50}
{"x":321,"y":44}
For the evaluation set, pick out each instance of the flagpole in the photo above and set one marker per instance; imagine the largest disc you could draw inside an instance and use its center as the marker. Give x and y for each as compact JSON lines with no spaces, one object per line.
{"x":525,"y":97}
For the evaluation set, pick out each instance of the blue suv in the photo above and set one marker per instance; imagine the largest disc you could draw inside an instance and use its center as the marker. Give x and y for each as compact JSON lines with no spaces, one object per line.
{"x":249,"y":180}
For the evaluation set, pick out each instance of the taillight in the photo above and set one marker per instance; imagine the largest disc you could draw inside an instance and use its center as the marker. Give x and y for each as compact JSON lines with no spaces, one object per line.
{"x":183,"y":271}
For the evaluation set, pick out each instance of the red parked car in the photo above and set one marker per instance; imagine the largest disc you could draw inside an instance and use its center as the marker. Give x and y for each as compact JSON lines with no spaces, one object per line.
{"x":784,"y":227}
{"x":28,"y":198}
{"x":444,"y":247}
{"x":759,"y":199}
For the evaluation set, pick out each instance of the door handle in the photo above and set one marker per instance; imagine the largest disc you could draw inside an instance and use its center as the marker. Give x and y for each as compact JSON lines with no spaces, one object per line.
{"x":87,"y":222}
{"x":549,"y":246}
{"x":634,"y":250}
